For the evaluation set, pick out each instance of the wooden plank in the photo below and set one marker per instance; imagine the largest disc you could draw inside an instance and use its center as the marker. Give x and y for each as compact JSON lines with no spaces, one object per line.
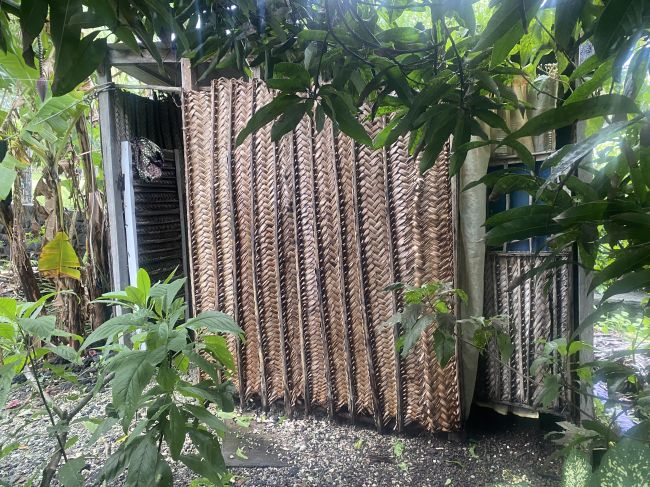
{"x":129,"y":213}
{"x":112,"y":177}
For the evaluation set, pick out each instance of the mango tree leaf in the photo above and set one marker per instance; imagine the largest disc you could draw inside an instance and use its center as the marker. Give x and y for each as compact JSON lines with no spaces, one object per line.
{"x":565,"y":115}
{"x":522,"y":228}
{"x":626,"y":261}
{"x":502,"y":21}
{"x":634,"y":281}
{"x":267,"y":114}
{"x":347,"y":122}
{"x":288,"y":121}
{"x":58,"y":258}
{"x":566,"y":16}
{"x":77,"y":63}
{"x":617,"y":20}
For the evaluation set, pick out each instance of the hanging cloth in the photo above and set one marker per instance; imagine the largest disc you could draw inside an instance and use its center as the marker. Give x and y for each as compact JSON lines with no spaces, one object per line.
{"x":147,"y":158}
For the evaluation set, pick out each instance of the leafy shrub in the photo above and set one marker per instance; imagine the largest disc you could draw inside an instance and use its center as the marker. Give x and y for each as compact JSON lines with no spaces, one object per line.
{"x":146,"y":357}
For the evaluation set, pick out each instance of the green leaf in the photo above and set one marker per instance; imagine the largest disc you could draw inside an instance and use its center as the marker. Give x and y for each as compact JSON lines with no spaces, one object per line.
{"x":133,"y":372}
{"x":288,"y":121}
{"x":619,"y":18}
{"x":504,"y":345}
{"x":584,"y":90}
{"x":214,"y":322}
{"x":413,"y":333}
{"x":626,"y":261}
{"x":634,"y":281}
{"x":549,"y":391}
{"x":627,"y":464}
{"x":142,"y":463}
{"x":207,"y":418}
{"x":522,"y":228}
{"x":7,"y":178}
{"x":41,"y":327}
{"x":8,"y":308}
{"x":58,"y":258}
{"x":501,"y":22}
{"x":577,"y":470}
{"x":582,"y":110}
{"x":566,"y":16}
{"x":347,"y":122}
{"x":267,"y":114}
{"x":66,"y":353}
{"x":444,"y":346}
{"x":111,"y":328}
{"x":143,"y":282}
{"x":218,"y":347}
{"x":176,"y":437}
{"x":70,"y":472}
{"x":435,"y":144}
{"x":76,"y":62}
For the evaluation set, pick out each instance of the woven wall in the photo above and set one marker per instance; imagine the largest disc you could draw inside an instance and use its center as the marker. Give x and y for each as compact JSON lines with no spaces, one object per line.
{"x":538,"y":311}
{"x":297,"y":240}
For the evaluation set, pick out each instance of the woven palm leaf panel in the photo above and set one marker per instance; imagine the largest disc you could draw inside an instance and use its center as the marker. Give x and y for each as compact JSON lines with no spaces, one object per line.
{"x":297,"y":240}
{"x":537,"y":311}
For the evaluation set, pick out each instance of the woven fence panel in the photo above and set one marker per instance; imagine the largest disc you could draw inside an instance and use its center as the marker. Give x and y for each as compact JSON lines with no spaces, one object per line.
{"x":537,"y":312}
{"x":297,"y":240}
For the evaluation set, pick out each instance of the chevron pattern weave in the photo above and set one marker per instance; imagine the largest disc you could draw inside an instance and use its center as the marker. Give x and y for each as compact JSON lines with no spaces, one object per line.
{"x":297,"y":239}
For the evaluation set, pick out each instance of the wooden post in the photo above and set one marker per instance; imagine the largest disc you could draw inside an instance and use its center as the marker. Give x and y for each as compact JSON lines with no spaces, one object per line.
{"x":188,"y":75}
{"x":113,"y":180}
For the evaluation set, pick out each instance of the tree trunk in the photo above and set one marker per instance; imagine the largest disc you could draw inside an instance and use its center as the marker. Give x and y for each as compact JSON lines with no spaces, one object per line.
{"x":11,"y":218}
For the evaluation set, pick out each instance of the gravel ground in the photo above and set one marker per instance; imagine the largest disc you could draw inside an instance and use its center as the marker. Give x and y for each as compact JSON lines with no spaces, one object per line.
{"x":316,"y":451}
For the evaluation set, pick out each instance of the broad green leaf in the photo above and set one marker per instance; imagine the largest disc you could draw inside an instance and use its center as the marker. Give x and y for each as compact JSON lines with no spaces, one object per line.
{"x":626,"y":261}
{"x":413,"y":333}
{"x":444,"y":346}
{"x":346,"y":120}
{"x":111,"y":328}
{"x":7,"y":178}
{"x":435,"y":144}
{"x":207,"y":418}
{"x":41,"y":327}
{"x":634,"y":281}
{"x":267,"y":114}
{"x":144,"y":282}
{"x":502,"y":21}
{"x":58,"y":258}
{"x":522,"y":228}
{"x":218,"y":347}
{"x":577,"y":470}
{"x":214,"y":322}
{"x":66,"y":353}
{"x":566,"y":17}
{"x":76,"y":60}
{"x":582,"y":110}
{"x":549,"y":392}
{"x":627,"y":464}
{"x":8,"y":308}
{"x":176,"y":437}
{"x":504,"y":345}
{"x":70,"y":472}
{"x":133,"y":372}
{"x":521,"y":212}
{"x":585,"y":90}
{"x":142,"y":463}
{"x":164,"y":475}
{"x":288,"y":121}
{"x":619,"y":18}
